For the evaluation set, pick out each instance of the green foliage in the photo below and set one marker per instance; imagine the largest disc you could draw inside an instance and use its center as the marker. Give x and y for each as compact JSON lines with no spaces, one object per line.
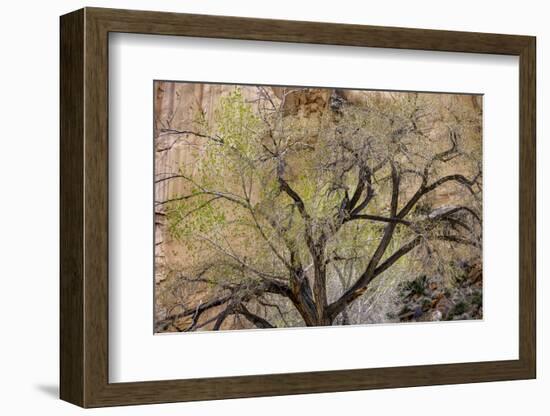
{"x":477,"y":299}
{"x":416,"y":286}
{"x":459,"y":308}
{"x":197,"y":214}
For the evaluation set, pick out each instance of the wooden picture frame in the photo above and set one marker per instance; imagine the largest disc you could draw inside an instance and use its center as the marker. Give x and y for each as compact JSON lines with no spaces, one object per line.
{"x":84,"y":207}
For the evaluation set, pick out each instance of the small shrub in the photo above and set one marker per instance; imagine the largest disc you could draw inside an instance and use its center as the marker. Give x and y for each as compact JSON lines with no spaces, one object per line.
{"x":477,"y":299}
{"x":460,"y":308}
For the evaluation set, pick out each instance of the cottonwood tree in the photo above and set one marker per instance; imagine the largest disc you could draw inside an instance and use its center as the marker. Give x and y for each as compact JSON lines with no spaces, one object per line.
{"x":288,"y":218}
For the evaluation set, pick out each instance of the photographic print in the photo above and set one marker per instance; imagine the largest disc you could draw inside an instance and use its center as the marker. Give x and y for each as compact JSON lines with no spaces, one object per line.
{"x":290,"y":206}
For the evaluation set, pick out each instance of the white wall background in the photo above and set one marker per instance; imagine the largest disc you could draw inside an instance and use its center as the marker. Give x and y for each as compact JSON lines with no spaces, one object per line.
{"x":29,"y":212}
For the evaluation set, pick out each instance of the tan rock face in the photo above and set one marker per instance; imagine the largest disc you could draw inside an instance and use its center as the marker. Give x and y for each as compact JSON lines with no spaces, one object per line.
{"x":177,"y":107}
{"x":305,"y":102}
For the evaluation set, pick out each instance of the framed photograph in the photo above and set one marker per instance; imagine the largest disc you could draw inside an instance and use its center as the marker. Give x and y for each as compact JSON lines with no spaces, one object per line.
{"x":255,"y":207}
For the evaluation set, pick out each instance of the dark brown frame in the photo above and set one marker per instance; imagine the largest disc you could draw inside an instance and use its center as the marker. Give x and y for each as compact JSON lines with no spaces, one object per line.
{"x":84,"y":207}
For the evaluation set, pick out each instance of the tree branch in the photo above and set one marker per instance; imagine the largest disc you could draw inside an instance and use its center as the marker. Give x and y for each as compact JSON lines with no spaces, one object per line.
{"x":253,"y":318}
{"x":360,"y":285}
{"x":425,"y":189}
{"x":163,"y":324}
{"x":379,"y":218}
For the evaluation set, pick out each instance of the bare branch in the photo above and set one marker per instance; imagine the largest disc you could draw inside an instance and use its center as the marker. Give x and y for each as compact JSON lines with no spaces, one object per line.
{"x":379,"y":219}
{"x":163,"y":324}
{"x":253,"y":318}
